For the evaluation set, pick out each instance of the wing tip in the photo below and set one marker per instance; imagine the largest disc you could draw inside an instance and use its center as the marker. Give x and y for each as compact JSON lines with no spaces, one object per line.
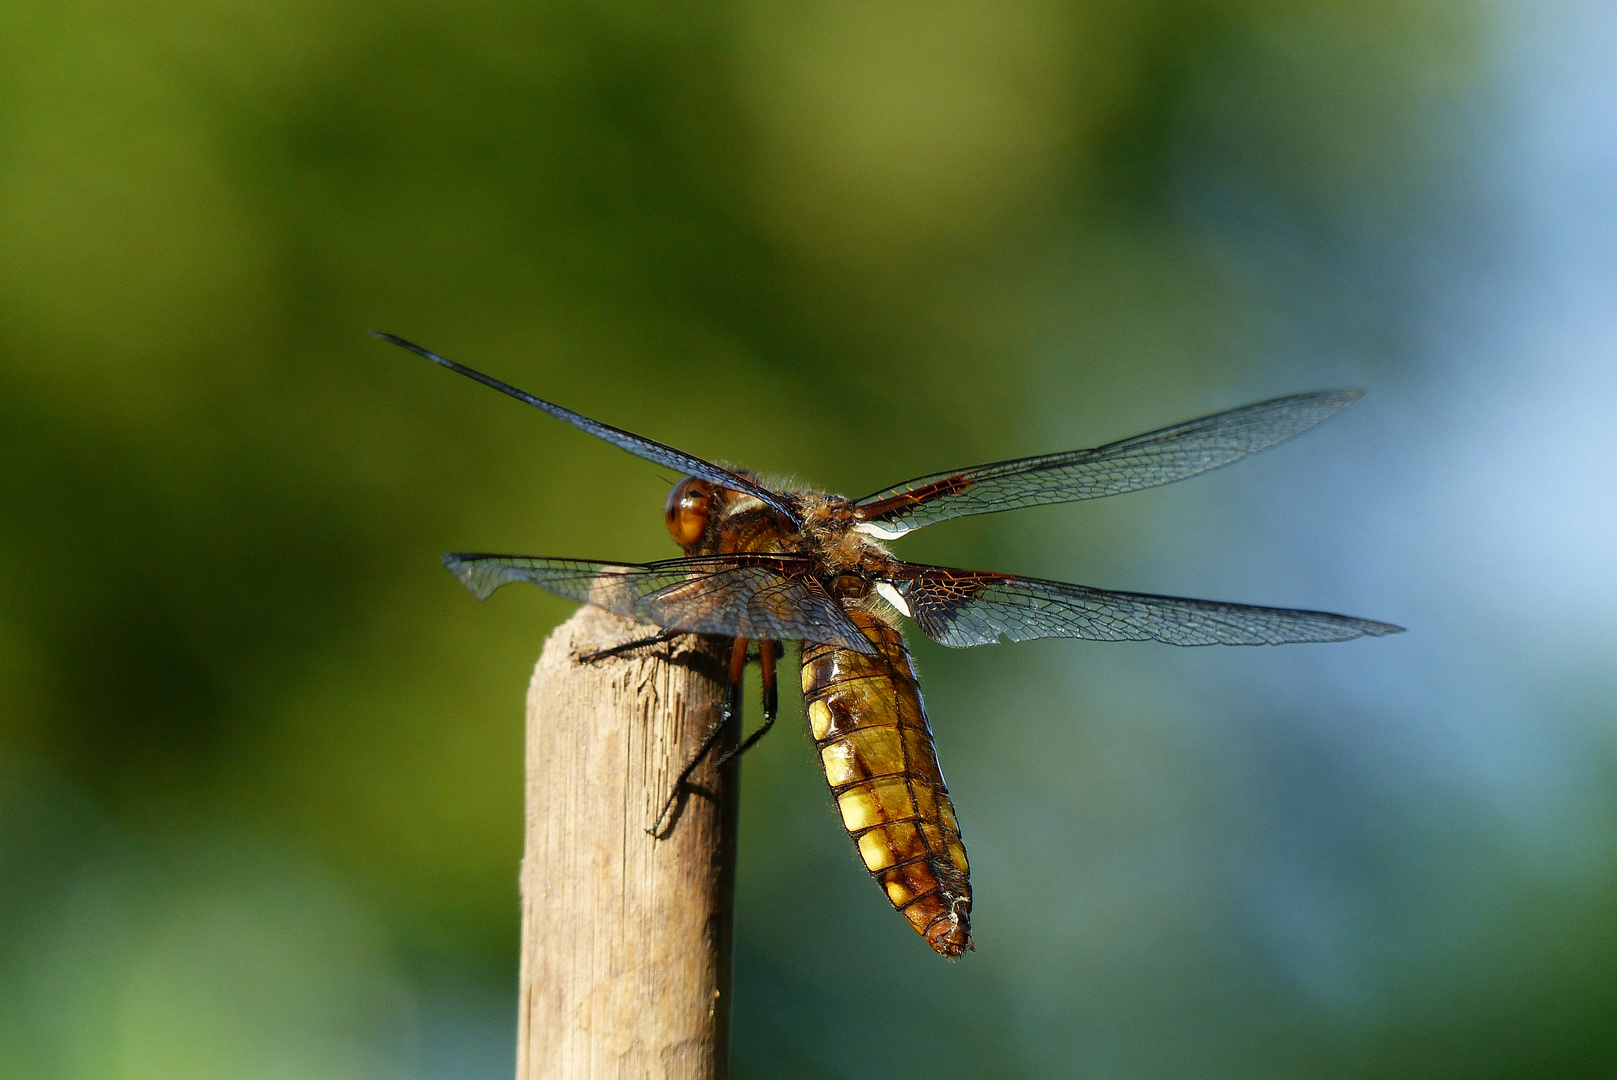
{"x":1335,"y":399}
{"x":1346,"y":628}
{"x":1348,"y":395}
{"x":421,"y":351}
{"x":459,"y":564}
{"x":1349,"y":628}
{"x":394,"y":339}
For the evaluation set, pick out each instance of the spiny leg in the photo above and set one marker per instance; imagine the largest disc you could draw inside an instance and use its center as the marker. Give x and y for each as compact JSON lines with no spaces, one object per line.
{"x":768,"y":652}
{"x":731,"y":711}
{"x":667,"y":633}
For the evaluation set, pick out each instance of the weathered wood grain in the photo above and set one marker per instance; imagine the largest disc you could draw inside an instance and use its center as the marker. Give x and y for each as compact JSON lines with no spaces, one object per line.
{"x":626,"y":939}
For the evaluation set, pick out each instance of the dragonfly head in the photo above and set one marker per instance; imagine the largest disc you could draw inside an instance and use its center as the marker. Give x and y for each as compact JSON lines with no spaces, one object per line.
{"x":689,"y":506}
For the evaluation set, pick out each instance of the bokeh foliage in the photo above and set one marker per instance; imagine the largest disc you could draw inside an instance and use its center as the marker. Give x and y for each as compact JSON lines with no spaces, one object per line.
{"x":260,"y":756}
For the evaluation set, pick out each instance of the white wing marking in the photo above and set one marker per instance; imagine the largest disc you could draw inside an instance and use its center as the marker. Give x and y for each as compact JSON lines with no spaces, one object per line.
{"x":880,"y":532}
{"x":890,"y":594}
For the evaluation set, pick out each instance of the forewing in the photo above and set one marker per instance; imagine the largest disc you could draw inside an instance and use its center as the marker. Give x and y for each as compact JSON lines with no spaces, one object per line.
{"x":762,"y":597}
{"x":1159,"y":457}
{"x":638,"y":445}
{"x":967,"y":607}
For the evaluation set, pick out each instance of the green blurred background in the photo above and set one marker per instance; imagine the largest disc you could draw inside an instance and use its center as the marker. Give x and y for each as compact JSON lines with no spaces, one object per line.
{"x":260,"y":757}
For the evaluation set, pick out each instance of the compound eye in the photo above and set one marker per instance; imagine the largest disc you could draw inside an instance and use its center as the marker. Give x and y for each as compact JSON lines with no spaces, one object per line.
{"x":687,"y":511}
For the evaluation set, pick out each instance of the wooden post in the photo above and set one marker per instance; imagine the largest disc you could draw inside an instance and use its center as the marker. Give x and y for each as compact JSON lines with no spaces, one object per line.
{"x":626,"y":939}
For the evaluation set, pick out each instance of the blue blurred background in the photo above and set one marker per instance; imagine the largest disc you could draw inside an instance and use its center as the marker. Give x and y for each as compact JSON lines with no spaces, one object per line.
{"x":260,"y":773}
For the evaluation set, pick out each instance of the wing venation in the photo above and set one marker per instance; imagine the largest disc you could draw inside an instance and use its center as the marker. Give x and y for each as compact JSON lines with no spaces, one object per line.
{"x":757,"y":596}
{"x":960,"y":608}
{"x":1143,"y":461}
{"x":638,"y":445}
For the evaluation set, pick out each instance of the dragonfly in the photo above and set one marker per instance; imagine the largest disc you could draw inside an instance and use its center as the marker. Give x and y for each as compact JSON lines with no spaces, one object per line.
{"x":775,"y":564}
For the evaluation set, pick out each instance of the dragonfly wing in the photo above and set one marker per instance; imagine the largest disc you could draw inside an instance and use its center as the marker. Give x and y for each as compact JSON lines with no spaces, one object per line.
{"x":967,"y":607}
{"x":638,"y":445}
{"x":1158,"y":457}
{"x":763,"y":597}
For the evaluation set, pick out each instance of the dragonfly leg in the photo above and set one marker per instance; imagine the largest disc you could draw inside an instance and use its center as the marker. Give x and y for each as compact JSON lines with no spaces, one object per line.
{"x":665,"y":634}
{"x":729,"y":713}
{"x":768,"y":652}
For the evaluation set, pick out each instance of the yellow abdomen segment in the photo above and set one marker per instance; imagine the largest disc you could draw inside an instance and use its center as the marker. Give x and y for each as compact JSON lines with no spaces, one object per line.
{"x":874,"y":742}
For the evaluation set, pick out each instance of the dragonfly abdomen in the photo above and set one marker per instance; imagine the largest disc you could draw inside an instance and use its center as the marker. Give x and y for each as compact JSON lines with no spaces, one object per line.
{"x":870,"y":728}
